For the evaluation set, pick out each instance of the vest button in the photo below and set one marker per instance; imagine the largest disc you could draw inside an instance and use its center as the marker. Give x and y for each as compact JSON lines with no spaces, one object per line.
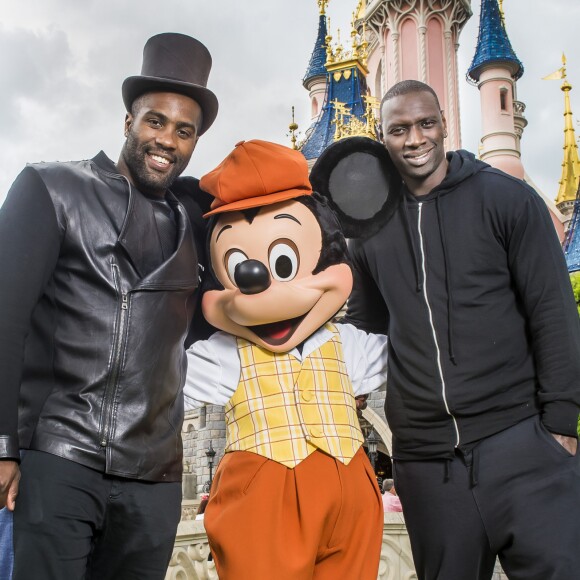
{"x":307,"y":395}
{"x":316,"y":432}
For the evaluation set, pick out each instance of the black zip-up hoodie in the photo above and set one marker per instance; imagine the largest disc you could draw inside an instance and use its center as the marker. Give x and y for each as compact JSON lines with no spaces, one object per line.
{"x":470,"y":284}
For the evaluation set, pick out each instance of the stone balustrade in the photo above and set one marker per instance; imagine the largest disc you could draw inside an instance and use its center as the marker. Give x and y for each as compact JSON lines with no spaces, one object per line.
{"x":189,"y":560}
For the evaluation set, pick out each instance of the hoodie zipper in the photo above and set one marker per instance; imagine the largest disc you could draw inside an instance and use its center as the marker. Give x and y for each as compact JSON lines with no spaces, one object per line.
{"x":116,"y":357}
{"x":438,"y":351}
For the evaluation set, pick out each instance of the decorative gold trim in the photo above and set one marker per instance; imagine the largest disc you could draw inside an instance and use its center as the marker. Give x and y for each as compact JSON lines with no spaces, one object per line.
{"x":348,"y":125}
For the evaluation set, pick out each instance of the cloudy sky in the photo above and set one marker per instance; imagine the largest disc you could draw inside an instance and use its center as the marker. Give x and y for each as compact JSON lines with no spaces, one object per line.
{"x":62,"y":63}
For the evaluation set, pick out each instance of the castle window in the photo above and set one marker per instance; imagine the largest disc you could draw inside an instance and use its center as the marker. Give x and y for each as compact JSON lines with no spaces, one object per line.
{"x":503,"y":99}
{"x":314,"y":107}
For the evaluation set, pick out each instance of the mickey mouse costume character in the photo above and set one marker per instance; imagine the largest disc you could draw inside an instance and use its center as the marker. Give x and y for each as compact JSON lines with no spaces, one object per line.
{"x":295,"y":496}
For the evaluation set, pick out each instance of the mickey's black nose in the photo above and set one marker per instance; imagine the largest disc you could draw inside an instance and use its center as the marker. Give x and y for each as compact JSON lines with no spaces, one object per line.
{"x":252,"y":277}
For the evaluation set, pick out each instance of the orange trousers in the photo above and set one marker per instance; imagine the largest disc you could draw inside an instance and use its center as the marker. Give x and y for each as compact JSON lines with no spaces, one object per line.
{"x":322,"y":520}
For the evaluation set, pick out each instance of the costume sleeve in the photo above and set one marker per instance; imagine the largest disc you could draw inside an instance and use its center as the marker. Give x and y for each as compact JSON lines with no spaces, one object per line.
{"x":365,"y":358}
{"x":366,"y":308}
{"x":213,"y":371}
{"x":541,"y":279}
{"x":30,"y":240}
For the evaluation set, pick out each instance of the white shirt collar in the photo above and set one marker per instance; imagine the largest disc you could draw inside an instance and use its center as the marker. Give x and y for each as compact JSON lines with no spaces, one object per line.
{"x":313,"y":342}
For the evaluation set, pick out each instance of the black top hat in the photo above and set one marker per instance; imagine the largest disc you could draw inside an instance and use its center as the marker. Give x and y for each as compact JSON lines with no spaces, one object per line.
{"x":175,"y":63}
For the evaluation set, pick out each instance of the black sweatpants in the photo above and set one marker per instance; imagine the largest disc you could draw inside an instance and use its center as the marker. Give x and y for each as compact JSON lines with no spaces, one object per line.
{"x":73,"y":523}
{"x":515,"y":495}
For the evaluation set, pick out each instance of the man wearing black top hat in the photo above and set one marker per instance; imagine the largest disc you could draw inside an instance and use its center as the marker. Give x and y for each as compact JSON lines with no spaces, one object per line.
{"x":100,"y":274}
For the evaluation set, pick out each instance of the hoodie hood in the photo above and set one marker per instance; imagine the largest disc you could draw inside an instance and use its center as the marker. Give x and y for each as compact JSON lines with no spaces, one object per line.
{"x":462,"y":165}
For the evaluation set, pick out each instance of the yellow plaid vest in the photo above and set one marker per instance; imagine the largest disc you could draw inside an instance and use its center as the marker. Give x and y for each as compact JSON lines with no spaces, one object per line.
{"x":285,"y":409}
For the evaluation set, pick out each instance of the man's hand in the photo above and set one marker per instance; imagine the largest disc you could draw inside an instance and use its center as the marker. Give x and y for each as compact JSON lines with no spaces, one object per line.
{"x":361,"y":402}
{"x":570,"y":444}
{"x":9,"y":478}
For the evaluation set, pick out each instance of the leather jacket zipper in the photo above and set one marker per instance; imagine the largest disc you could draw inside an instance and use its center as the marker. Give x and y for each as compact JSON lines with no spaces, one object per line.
{"x":432,"y":325}
{"x":116,"y":358}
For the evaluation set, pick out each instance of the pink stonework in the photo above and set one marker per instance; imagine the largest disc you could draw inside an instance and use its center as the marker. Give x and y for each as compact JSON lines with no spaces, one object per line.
{"x":418,"y":40}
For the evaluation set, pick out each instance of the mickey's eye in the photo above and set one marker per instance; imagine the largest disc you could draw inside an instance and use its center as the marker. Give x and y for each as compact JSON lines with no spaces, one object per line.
{"x":284,"y":260}
{"x":233,"y":258}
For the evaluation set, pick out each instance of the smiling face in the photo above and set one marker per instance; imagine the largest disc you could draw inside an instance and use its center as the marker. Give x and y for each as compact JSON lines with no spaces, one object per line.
{"x":161,"y":133}
{"x":414,"y":130}
{"x":270,"y":294}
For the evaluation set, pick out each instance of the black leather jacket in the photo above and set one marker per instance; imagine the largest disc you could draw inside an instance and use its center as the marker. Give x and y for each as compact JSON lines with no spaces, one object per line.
{"x":104,"y":361}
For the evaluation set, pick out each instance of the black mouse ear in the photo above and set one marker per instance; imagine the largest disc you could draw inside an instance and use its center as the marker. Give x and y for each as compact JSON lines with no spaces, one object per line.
{"x":361,"y":183}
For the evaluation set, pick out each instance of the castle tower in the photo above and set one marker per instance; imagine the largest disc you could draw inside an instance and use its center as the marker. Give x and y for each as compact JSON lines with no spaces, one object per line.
{"x":347,"y":109}
{"x":570,"y":178}
{"x":417,"y":39}
{"x":315,"y":78}
{"x":495,"y":69}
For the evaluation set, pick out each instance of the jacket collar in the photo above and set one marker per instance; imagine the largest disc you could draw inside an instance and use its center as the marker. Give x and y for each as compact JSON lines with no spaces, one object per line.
{"x":139,"y":229}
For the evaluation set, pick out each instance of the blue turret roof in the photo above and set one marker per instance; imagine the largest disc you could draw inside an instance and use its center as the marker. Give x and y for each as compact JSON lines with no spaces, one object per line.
{"x":318,"y":57}
{"x":493,"y":44}
{"x":572,"y":242}
{"x":347,"y":90}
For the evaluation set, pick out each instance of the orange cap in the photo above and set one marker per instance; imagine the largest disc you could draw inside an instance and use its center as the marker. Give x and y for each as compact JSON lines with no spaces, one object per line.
{"x":254,"y":174}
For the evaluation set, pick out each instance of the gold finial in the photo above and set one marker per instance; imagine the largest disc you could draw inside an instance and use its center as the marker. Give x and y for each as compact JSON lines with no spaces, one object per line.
{"x":293,"y":128}
{"x":339,"y":49}
{"x":322,"y":4}
{"x":501,"y":12}
{"x":360,"y":9}
{"x":363,"y":53}
{"x":568,"y":184}
{"x":563,"y":69}
{"x":353,"y":33}
{"x":328,"y":47}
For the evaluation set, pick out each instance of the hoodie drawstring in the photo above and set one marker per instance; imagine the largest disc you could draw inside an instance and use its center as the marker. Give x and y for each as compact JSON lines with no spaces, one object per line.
{"x":448,"y":286}
{"x":413,"y":244}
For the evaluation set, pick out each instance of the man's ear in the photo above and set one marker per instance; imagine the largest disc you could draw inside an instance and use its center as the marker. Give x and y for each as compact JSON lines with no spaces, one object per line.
{"x":361,"y":183}
{"x":128,"y":123}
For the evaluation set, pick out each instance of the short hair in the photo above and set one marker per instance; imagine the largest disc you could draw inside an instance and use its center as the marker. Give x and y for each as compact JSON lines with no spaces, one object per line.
{"x":136,"y":104}
{"x":406,"y":87}
{"x":388,"y":484}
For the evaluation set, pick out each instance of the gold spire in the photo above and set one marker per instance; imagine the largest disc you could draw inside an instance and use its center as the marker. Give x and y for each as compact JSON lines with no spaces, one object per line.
{"x":571,"y":163}
{"x":293,"y":128}
{"x":322,"y":4}
{"x":501,"y":12}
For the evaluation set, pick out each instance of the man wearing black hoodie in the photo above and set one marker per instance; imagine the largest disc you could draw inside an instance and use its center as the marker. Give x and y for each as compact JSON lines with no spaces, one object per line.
{"x":468,"y":279}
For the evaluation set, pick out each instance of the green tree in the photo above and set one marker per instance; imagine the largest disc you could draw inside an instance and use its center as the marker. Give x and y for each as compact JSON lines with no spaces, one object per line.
{"x":575,"y":279}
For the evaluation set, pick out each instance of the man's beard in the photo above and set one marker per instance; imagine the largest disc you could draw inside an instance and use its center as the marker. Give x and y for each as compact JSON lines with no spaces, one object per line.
{"x":145,"y":179}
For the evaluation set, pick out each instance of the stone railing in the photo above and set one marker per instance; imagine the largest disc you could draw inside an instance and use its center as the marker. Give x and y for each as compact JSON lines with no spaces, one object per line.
{"x":189,"y":560}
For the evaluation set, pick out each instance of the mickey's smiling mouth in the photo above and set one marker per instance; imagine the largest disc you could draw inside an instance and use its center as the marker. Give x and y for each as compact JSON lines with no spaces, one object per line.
{"x":277,"y":333}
